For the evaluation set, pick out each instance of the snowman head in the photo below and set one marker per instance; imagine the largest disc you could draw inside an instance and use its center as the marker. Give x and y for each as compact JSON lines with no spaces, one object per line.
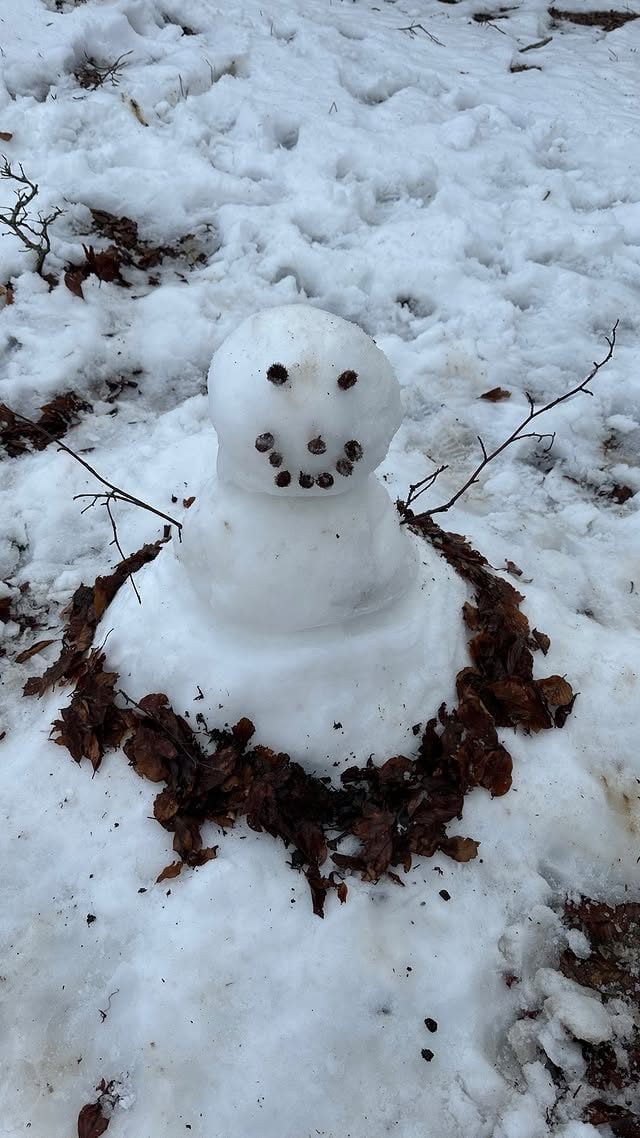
{"x":303,"y":403}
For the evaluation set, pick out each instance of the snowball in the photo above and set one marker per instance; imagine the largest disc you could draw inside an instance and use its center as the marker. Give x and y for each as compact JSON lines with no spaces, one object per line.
{"x":286,"y":564}
{"x":303,"y":402}
{"x":574,"y":1007}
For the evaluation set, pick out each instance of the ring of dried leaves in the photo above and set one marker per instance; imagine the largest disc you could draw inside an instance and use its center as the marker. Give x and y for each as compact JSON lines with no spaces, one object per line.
{"x":397,"y":811}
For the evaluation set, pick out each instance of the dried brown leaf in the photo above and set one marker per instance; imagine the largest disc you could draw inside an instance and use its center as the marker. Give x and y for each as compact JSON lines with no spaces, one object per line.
{"x":91,"y":1121}
{"x":74,"y":275}
{"x":556,"y":691}
{"x":460,"y":849}
{"x":169,"y":871}
{"x":496,"y":395}
{"x":541,"y":641}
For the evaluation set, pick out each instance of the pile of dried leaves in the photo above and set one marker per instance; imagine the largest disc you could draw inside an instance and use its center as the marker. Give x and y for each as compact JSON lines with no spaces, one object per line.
{"x":19,"y":436}
{"x":126,"y":250}
{"x":395,"y":811}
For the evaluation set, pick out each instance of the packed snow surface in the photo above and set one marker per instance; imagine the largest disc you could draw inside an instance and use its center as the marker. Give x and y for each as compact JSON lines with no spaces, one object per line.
{"x":467,"y":192}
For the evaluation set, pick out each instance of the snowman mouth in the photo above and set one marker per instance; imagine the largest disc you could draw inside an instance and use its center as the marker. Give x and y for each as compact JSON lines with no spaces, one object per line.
{"x":343,"y":463}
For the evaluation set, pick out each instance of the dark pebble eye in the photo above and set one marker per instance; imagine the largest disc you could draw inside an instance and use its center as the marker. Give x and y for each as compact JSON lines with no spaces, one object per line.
{"x":283,"y":478}
{"x":277,"y":374}
{"x":344,"y":467}
{"x":306,"y":480}
{"x":264,"y":442}
{"x":317,"y":446}
{"x":347,"y":380}
{"x":324,"y":481}
{"x":353,"y":450}
{"x":275,"y":459}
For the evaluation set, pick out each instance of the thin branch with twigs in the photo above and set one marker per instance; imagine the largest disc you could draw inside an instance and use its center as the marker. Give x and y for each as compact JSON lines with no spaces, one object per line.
{"x":32,"y":231}
{"x":419,"y":488}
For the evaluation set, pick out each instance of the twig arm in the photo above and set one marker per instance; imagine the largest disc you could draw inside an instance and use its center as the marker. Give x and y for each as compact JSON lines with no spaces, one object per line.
{"x":516,"y":435}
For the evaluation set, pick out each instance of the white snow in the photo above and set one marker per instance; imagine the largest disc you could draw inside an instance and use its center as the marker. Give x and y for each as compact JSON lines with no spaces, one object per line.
{"x":483,"y":226}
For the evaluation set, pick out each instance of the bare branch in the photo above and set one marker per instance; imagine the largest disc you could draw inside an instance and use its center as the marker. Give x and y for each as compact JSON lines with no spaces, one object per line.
{"x":116,"y":542}
{"x":419,"y":488}
{"x":515,"y":436}
{"x":32,"y":232}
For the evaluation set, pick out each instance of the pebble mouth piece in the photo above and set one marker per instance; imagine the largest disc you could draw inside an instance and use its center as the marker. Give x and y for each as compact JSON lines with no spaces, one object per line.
{"x":344,"y":465}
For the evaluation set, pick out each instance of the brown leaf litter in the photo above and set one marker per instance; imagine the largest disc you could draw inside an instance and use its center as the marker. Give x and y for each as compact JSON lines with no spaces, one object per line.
{"x":18,"y":436}
{"x":126,"y":250}
{"x":83,"y":612}
{"x":396,"y":811}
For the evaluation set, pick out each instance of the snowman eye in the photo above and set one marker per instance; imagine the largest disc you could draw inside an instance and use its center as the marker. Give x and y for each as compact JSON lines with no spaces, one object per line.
{"x":347,"y":379}
{"x":277,"y":374}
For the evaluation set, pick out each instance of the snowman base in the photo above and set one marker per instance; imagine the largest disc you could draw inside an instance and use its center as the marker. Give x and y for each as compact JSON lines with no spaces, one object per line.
{"x":330,"y":697}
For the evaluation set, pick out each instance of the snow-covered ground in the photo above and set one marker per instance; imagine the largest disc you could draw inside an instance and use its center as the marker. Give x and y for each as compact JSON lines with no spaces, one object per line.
{"x":386,"y":163}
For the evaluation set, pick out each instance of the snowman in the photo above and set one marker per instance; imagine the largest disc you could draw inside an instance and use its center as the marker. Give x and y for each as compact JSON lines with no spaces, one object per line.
{"x":295,"y":597}
{"x":296,"y":532}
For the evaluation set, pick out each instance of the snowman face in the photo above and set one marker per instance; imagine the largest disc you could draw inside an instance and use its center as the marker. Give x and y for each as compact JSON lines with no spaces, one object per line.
{"x":303,"y":402}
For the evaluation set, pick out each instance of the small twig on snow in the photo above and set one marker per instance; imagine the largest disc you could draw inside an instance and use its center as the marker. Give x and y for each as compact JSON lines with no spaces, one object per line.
{"x":419,"y":488}
{"x":413,"y":29}
{"x":93,"y":74}
{"x":533,"y":46}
